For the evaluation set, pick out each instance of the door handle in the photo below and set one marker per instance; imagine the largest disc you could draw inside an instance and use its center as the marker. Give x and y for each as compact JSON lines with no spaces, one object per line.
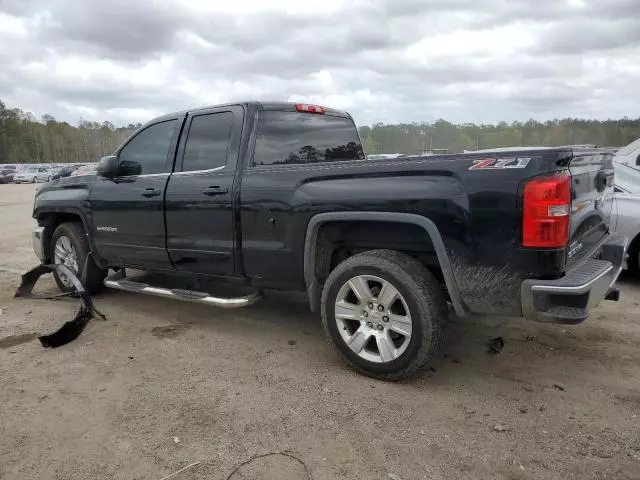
{"x":216,"y":190}
{"x":150,"y":192}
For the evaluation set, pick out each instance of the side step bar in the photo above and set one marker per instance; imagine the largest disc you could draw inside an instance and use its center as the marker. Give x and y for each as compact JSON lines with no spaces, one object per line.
{"x":120,"y":282}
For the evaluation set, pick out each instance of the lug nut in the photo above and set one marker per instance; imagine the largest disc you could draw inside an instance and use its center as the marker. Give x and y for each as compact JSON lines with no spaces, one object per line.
{"x":365,"y":313}
{"x":385,"y":319}
{"x":369,"y":324}
{"x":380,"y":308}
{"x":380,"y":327}
{"x":371,"y":305}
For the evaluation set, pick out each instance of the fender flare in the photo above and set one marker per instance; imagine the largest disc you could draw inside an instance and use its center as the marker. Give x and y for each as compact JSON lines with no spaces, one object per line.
{"x":427,"y":225}
{"x":85,"y":223}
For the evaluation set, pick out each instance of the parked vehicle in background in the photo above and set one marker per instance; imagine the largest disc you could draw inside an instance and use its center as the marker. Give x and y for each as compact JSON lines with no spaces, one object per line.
{"x":7,"y":172}
{"x":64,"y":172}
{"x":280,"y":195}
{"x":629,"y":156}
{"x":33,"y":175}
{"x":626,"y":213}
{"x":385,"y":156}
{"x":84,"y":170}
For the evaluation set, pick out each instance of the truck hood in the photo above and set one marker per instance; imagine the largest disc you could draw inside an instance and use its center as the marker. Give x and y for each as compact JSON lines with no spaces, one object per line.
{"x":67,"y":182}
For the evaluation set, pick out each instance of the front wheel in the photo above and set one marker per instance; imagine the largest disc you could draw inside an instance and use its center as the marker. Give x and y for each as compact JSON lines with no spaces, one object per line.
{"x":69,"y":247}
{"x":385,"y":313}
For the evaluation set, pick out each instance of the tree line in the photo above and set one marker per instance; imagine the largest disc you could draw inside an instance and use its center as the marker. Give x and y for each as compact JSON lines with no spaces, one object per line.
{"x":413,"y":138}
{"x":25,"y":139}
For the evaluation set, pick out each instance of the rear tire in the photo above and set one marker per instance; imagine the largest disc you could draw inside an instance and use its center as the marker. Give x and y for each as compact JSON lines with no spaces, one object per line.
{"x":77,"y":239}
{"x":384,"y":339}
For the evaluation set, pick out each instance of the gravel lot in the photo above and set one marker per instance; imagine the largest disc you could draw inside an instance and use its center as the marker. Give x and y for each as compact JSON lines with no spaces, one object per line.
{"x":161,"y":385}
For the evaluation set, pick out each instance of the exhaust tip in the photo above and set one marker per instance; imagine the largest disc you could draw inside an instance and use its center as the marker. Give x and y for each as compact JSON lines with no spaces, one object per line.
{"x":613,"y":294}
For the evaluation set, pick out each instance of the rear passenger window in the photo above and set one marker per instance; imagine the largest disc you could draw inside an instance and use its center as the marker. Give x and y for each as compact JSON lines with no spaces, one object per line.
{"x":207,"y":142}
{"x":293,"y":137}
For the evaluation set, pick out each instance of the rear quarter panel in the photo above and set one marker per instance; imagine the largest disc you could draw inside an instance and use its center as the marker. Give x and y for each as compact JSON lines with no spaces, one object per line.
{"x":477,"y":214}
{"x":278,"y":202}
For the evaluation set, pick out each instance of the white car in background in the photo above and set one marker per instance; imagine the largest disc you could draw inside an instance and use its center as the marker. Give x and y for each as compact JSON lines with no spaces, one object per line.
{"x":626,"y":208}
{"x":33,"y":175}
{"x":85,"y":170}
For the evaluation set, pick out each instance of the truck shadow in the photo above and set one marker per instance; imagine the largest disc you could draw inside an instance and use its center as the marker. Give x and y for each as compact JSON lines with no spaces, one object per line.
{"x":531,"y":349}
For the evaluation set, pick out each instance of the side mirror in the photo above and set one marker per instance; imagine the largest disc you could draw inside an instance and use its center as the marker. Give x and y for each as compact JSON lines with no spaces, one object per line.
{"x":638,"y":161}
{"x":108,"y":167}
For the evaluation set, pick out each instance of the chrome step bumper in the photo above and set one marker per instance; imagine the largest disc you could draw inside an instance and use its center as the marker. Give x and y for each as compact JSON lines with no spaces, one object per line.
{"x":569,"y":299}
{"x":120,"y":282}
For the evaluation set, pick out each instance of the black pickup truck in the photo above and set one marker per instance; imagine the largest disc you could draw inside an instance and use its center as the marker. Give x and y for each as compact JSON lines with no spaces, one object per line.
{"x":281,"y":196}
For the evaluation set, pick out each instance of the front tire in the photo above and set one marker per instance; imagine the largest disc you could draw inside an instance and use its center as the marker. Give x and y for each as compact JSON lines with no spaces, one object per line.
{"x":385,"y":313}
{"x":69,"y":246}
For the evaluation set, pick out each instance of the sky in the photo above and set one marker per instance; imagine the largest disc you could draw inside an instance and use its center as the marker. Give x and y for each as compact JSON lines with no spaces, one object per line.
{"x":384,"y":61}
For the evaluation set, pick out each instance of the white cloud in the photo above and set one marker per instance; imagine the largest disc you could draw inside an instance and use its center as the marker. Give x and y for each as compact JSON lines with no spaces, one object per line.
{"x":383,"y":60}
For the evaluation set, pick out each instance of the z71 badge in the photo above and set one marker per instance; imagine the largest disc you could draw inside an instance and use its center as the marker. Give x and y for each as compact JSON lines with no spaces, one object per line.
{"x":500,"y":163}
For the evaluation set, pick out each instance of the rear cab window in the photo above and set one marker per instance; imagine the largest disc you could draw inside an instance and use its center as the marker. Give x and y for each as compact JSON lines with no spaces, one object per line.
{"x":290,"y":137}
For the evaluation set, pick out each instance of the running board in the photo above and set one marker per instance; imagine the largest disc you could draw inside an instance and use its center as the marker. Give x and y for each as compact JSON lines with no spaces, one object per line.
{"x":119,"y":282}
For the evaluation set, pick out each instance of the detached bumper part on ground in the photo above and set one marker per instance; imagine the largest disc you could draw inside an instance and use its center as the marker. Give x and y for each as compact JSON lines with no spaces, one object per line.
{"x":71,"y":329}
{"x":569,"y":299}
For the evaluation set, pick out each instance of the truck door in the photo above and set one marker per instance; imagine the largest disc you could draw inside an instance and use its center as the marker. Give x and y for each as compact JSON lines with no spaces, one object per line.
{"x":127,"y":211}
{"x":199,"y":201}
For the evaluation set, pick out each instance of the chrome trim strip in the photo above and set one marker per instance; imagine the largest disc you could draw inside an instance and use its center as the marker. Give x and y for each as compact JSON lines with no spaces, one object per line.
{"x":217,"y":169}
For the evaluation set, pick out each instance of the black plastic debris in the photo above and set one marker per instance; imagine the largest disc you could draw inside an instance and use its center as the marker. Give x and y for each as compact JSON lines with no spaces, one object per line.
{"x":72,"y":329}
{"x":496,"y":345}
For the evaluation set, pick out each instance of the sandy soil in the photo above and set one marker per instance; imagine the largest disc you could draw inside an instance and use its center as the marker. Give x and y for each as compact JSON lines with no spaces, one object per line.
{"x":161,"y":385}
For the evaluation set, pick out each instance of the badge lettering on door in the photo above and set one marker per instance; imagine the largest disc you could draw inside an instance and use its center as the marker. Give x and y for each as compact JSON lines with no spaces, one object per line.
{"x":102,"y":228}
{"x":500,"y":163}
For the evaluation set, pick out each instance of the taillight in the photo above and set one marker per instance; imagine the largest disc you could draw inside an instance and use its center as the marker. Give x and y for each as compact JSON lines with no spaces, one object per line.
{"x":547,"y":207}
{"x":303,"y":107}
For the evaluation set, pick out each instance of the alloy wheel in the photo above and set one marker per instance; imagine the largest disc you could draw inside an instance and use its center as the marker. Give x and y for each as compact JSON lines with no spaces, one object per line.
{"x":65,"y":254}
{"x":373,"y":318}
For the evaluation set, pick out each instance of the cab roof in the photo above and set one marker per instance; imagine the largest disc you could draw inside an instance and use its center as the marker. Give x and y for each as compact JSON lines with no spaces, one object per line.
{"x":268,"y":106}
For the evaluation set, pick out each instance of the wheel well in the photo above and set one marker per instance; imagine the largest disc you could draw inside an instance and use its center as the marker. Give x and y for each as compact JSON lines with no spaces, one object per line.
{"x":339,"y":240}
{"x":50,"y":222}
{"x":634,"y":248}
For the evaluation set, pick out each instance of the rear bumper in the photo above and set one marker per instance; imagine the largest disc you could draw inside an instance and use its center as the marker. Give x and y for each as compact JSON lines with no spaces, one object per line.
{"x":37,"y":238}
{"x":569,"y":299}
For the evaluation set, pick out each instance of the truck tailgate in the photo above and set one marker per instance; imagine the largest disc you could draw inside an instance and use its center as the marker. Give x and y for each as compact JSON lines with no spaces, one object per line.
{"x":591,"y":201}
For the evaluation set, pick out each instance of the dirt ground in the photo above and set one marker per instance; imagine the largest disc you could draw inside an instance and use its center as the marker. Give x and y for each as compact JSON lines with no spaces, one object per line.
{"x":161,"y":385}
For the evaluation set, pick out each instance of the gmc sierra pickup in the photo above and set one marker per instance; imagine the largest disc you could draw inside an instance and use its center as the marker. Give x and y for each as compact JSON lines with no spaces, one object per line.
{"x":281,"y":196}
